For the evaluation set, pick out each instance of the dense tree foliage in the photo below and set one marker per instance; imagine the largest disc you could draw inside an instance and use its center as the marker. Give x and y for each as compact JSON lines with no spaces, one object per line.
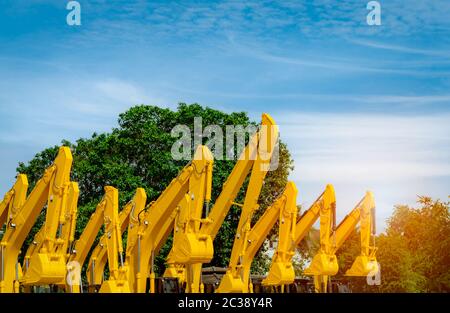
{"x":413,"y":252}
{"x":137,"y":153}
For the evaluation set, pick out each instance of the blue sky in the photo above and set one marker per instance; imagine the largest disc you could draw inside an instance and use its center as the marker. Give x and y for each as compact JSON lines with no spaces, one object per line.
{"x":362,"y":107}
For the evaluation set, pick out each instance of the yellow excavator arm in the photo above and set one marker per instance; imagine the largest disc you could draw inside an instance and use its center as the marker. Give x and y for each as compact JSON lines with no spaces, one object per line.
{"x":84,"y":243}
{"x":281,"y":269}
{"x":365,"y":263}
{"x":99,"y":256}
{"x":232,"y":280}
{"x":258,"y":152}
{"x":324,"y":203}
{"x":154,"y":226}
{"x":12,"y":202}
{"x":33,"y":248}
{"x":14,"y":199}
{"x":105,"y":213}
{"x":325,"y":262}
{"x":70,"y":218}
{"x":364,"y":213}
{"x":66,"y":233}
{"x":189,"y":246}
{"x":322,"y":206}
{"x":118,"y":272}
{"x":52,"y":190}
{"x":284,"y":210}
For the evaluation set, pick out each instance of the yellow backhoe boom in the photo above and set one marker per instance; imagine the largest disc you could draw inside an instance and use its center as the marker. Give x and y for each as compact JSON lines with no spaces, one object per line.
{"x":118,"y":272}
{"x":364,"y":213}
{"x":283,"y":209}
{"x":322,"y":206}
{"x":267,"y":139}
{"x":13,"y":199}
{"x":105,"y":213}
{"x":51,"y":189}
{"x":267,"y":135}
{"x":99,"y":256}
{"x":191,"y":185}
{"x":66,"y":233}
{"x":325,"y":261}
{"x":281,"y":269}
{"x":365,"y":263}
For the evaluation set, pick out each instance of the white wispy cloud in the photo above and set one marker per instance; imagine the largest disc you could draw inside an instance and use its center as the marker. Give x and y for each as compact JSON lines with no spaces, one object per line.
{"x":402,"y":99}
{"x":373,"y":99}
{"x":397,"y":157}
{"x":141,"y":20}
{"x":47,"y":111}
{"x":329,"y":61}
{"x":445,"y":53}
{"x":326,"y":18}
{"x":121,"y":91}
{"x":354,"y":147}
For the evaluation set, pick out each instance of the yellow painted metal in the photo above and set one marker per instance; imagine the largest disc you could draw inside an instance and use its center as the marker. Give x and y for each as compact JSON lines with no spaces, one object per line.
{"x":13,"y":199}
{"x":325,"y":261}
{"x":64,"y":240}
{"x":365,"y":263}
{"x":70,"y":218}
{"x":154,"y":226}
{"x":281,"y":270}
{"x":174,"y":270}
{"x":52,"y":190}
{"x":12,"y":202}
{"x":105,"y":213}
{"x":33,"y":248}
{"x":99,"y":256}
{"x":263,"y":141}
{"x":189,"y":246}
{"x":161,"y":236}
{"x":48,"y":266}
{"x":324,"y":203}
{"x":83,"y":244}
{"x":284,"y":210}
{"x":118,"y":272}
{"x":232,"y":281}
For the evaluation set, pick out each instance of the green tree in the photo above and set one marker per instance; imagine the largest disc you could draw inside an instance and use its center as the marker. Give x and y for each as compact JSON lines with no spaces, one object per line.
{"x":424,"y":233}
{"x":137,"y":153}
{"x":413,"y":252}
